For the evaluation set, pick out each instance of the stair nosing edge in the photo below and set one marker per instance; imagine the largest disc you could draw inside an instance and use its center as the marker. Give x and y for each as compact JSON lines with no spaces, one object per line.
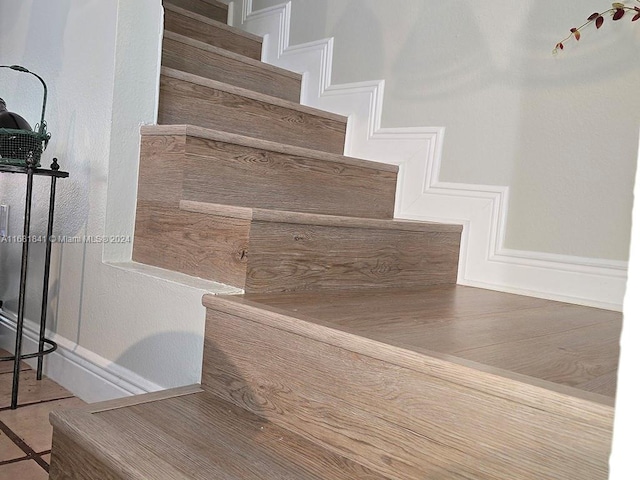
{"x":302,"y":218}
{"x":215,"y":3}
{"x":94,"y":445}
{"x":307,"y":326}
{"x":214,"y":23}
{"x":243,"y":92}
{"x":192,"y":42}
{"x":251,"y":142}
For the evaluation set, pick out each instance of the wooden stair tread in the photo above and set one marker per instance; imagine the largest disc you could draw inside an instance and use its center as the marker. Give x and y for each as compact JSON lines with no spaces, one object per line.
{"x":217,"y":24}
{"x":274,"y":250}
{"x":202,"y":28}
{"x":402,"y":410}
{"x":209,"y":8}
{"x":200,"y":436}
{"x":221,"y":136}
{"x":280,"y":216}
{"x":199,"y":58}
{"x":229,"y":54}
{"x":243,"y":92}
{"x":568,"y":348}
{"x":191,"y":99}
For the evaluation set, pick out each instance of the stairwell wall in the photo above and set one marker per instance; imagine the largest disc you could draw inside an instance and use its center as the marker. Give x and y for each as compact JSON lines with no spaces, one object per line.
{"x":560,"y":131}
{"x":539,"y":153}
{"x":121,"y":328}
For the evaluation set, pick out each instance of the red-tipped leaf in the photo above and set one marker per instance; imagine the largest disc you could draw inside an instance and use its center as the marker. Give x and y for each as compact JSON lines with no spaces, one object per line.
{"x":593,"y":16}
{"x":619,"y":13}
{"x":599,"y":21}
{"x":560,"y":46}
{"x":636,"y":17}
{"x":576,"y":33}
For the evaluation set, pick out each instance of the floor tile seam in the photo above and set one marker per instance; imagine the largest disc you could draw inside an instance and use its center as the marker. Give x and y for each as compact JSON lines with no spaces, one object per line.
{"x":15,"y":460}
{"x":24,"y":446}
{"x":37,"y":402}
{"x":15,"y":438}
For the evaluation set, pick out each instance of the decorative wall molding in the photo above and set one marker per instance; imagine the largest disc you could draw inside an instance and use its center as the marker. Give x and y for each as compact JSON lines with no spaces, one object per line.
{"x":482,"y":209}
{"x":88,"y":375}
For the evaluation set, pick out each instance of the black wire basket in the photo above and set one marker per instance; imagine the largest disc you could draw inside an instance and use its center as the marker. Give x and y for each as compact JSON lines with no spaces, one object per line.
{"x":24,"y":147}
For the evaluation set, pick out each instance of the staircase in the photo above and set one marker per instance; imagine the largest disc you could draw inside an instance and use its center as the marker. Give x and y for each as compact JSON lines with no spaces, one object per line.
{"x":352,"y":354}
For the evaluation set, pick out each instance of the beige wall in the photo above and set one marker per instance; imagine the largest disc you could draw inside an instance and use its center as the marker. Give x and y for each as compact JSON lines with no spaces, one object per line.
{"x":100,"y":59}
{"x":561,"y":132}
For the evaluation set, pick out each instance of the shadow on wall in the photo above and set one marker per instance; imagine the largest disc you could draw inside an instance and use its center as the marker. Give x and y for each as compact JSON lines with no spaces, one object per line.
{"x":358,"y":15}
{"x":183,"y":351}
{"x":446,"y":64}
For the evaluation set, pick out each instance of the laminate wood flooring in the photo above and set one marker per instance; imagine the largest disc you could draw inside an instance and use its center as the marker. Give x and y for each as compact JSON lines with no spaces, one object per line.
{"x":562,"y":343}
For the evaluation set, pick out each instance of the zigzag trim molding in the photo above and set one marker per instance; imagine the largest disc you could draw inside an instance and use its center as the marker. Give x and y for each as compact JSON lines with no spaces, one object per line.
{"x":482,"y":209}
{"x":91,"y":377}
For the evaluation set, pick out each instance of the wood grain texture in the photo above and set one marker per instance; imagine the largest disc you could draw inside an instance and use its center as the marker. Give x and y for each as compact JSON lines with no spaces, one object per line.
{"x":214,"y":33}
{"x":224,"y":244}
{"x":205,"y":437}
{"x":250,"y":94}
{"x":566,"y":344}
{"x":217,"y":106}
{"x":198,"y":58}
{"x":195,"y":436}
{"x":204,"y":246}
{"x":403,"y":422}
{"x":226,"y":173}
{"x":291,"y":251}
{"x":213,"y":10}
{"x":161,"y":170}
{"x":247,"y":141}
{"x":292,"y":257}
{"x":303,"y":218}
{"x":87,"y":448}
{"x":557,"y":399}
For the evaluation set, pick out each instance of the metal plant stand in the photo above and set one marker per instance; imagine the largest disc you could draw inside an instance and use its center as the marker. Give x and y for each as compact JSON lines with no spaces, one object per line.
{"x":31,"y":170}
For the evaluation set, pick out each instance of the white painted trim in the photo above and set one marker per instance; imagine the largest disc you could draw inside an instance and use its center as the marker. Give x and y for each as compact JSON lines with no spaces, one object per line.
{"x":482,"y":209}
{"x":88,"y":375}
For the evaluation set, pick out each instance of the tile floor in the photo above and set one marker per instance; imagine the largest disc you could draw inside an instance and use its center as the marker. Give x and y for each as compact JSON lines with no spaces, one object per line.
{"x":25,"y":433}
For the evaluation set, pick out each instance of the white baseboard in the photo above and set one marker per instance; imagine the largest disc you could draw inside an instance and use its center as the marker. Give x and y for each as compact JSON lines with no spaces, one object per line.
{"x":482,"y":209}
{"x":87,"y":375}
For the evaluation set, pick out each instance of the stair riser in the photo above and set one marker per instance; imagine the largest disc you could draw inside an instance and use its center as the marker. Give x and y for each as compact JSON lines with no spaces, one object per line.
{"x":207,"y":64}
{"x":182,"y":102}
{"x":174,"y":168}
{"x":205,"y":246}
{"x":210,"y":10}
{"x":211,"y":34}
{"x":161,"y":170}
{"x":286,"y":257}
{"x":70,"y":461}
{"x":398,"y":421}
{"x":279,"y":257}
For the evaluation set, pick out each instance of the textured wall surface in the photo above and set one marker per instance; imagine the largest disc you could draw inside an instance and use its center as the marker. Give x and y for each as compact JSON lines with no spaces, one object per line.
{"x":561,"y":132}
{"x":100,"y":60}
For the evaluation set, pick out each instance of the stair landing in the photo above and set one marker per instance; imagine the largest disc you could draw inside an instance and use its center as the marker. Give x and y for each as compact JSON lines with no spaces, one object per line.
{"x":557,"y":343}
{"x":459,"y":382}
